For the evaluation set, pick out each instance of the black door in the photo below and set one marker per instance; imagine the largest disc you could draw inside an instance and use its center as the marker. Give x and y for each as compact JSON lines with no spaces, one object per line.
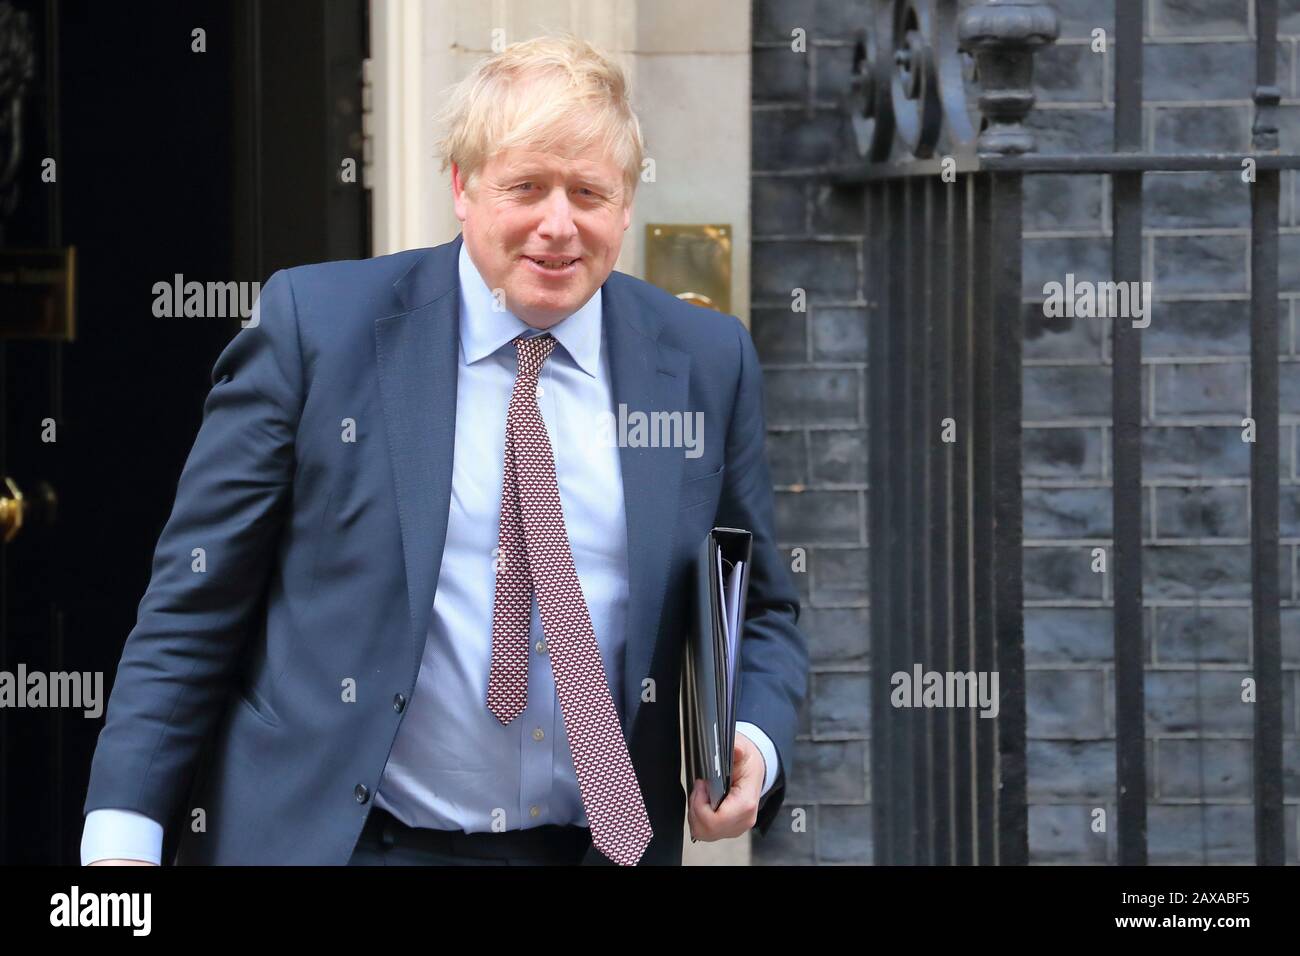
{"x":148,"y":141}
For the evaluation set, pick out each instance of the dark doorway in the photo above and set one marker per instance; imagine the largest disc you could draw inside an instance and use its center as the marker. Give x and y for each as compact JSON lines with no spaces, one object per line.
{"x":217,"y":165}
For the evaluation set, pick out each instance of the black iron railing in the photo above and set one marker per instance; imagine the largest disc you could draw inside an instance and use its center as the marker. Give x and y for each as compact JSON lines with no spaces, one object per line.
{"x":940,"y":93}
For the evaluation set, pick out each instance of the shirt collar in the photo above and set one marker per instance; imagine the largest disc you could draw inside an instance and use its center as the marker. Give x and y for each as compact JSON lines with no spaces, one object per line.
{"x":483,"y":329}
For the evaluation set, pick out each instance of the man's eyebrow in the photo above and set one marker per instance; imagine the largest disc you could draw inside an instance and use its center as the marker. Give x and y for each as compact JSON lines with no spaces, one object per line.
{"x":522,"y":172}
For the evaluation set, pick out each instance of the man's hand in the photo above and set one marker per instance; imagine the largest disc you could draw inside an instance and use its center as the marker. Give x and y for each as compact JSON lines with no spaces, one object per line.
{"x":738,"y":810}
{"x":121,"y":863}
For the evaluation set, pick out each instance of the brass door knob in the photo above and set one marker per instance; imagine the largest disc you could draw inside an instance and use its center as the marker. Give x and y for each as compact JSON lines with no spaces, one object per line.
{"x":17,"y":510}
{"x":11,"y":511}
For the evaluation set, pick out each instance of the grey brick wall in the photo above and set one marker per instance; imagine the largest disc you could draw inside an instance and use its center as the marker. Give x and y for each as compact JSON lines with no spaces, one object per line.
{"x":1198,"y":74}
{"x":809,"y":236}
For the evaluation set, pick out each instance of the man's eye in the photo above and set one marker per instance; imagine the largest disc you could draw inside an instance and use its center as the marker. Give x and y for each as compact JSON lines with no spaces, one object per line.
{"x":523,"y":186}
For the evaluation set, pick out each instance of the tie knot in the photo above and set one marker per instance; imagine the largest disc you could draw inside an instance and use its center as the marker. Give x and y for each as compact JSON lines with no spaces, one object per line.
{"x":533,"y":351}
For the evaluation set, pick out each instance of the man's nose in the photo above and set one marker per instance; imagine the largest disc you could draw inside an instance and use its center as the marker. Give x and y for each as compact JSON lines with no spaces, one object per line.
{"x":557,"y":216}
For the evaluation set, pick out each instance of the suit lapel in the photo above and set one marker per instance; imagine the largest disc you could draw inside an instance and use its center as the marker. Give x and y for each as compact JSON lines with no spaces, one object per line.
{"x":417,"y":354}
{"x":646,"y":376}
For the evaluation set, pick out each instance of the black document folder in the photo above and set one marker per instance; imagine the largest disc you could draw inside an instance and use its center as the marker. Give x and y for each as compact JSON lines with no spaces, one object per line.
{"x":710,"y":670}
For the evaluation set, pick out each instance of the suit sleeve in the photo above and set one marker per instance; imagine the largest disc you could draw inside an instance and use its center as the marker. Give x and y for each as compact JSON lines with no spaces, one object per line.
{"x":774,"y":654}
{"x":210,"y":569}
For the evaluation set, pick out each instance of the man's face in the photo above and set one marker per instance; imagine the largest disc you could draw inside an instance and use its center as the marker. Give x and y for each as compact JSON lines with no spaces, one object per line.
{"x":547,"y":229}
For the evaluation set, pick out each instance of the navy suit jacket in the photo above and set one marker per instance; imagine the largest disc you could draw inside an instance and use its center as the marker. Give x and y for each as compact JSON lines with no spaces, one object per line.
{"x":319,"y":561}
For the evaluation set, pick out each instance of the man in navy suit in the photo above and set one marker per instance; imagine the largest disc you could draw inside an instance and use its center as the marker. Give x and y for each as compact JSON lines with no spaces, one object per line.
{"x":334,"y":661}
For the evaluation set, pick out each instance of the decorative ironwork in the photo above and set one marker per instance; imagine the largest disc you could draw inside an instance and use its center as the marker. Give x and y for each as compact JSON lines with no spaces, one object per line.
{"x":915,"y":87}
{"x":917,"y":74}
{"x":870,"y":111}
{"x":935,"y":90}
{"x":1003,"y":39}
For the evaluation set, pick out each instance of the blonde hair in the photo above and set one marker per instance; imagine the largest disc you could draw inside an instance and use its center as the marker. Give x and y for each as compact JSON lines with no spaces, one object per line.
{"x":552,"y":94}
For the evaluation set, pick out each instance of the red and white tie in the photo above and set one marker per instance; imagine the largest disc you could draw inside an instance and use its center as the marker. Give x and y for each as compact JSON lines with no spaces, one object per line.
{"x":534,"y":555}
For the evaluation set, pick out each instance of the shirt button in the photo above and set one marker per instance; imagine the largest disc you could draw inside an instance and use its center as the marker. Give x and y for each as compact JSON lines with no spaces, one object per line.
{"x":539,"y":391}
{"x":538,"y":733}
{"x":541,"y":647}
{"x":534,"y":811}
{"x":362,"y":792}
{"x":399,"y":703}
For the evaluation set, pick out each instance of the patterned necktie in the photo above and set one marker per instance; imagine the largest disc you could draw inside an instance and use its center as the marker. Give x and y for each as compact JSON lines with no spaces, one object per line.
{"x":534,"y":555}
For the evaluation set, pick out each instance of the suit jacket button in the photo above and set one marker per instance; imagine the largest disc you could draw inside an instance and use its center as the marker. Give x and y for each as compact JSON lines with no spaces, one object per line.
{"x":362,"y":792}
{"x":399,"y":703}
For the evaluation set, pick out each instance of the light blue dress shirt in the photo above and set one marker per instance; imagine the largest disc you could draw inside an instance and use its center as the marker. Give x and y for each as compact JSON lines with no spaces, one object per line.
{"x":453,"y":765}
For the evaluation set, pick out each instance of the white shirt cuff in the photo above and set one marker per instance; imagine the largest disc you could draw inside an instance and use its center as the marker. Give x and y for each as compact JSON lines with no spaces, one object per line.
{"x":113,"y":834}
{"x":765,"y":747}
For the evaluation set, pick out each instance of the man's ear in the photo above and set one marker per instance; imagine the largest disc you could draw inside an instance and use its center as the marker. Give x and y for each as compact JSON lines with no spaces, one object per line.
{"x":627,"y":215}
{"x":459,"y":199}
